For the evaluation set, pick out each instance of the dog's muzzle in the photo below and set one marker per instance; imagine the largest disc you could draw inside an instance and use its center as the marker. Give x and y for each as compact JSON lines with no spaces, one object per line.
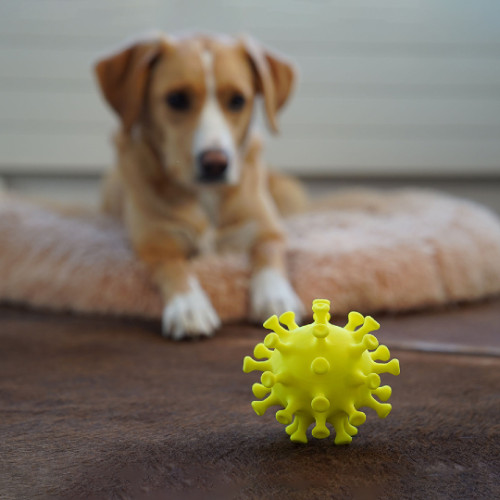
{"x":213,"y":165}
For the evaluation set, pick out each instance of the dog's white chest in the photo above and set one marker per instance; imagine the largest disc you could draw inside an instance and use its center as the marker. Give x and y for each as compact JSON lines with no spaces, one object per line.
{"x":207,"y":242}
{"x":210,"y":201}
{"x":238,"y":237}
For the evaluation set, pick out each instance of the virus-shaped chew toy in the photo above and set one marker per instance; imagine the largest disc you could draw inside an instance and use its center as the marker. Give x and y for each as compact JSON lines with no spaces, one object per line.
{"x":321,"y":373}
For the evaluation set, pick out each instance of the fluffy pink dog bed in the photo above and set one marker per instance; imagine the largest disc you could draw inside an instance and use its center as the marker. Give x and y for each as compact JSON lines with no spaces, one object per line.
{"x":369,"y":251}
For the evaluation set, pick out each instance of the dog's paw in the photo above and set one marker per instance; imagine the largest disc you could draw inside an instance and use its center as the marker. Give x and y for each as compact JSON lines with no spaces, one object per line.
{"x":189,"y":314}
{"x":271,"y":293}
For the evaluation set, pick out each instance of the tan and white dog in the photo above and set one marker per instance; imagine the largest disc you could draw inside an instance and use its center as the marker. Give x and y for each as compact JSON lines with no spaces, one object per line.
{"x":190,"y":177}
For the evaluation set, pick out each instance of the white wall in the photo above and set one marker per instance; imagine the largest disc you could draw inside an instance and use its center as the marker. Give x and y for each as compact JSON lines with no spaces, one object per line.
{"x":387,"y":86}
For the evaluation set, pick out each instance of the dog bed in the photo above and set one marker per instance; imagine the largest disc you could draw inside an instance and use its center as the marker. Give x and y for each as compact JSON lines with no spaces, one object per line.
{"x":365,"y":250}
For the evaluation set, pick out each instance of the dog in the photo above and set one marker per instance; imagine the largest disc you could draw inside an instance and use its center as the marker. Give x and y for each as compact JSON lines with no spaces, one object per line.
{"x":190,"y":177}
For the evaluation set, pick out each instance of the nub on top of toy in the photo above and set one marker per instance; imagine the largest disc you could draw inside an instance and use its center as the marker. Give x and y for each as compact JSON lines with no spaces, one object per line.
{"x":321,"y":373}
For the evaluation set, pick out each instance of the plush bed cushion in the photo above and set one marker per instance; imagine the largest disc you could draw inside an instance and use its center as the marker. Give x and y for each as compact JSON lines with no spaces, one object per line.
{"x":365,"y":250}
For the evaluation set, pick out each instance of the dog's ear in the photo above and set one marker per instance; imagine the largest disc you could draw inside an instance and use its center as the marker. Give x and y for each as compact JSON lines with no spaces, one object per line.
{"x":123,"y":77}
{"x":275,"y":77}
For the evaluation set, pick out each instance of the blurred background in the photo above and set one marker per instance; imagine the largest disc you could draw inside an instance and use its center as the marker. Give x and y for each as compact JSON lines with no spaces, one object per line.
{"x":391,"y":92}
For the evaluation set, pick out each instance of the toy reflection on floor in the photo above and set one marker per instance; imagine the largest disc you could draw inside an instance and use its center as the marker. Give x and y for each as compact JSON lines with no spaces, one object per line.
{"x":321,"y":373}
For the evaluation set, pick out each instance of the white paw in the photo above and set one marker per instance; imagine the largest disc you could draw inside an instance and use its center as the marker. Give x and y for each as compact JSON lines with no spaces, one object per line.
{"x":189,"y":314}
{"x":271,"y":293}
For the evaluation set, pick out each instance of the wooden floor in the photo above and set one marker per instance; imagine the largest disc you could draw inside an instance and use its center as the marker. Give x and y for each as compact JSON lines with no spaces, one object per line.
{"x":105,"y":408}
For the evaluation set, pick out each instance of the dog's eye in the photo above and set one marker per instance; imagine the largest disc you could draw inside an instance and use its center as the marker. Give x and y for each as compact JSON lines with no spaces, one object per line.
{"x":178,"y":100}
{"x":237,"y":102}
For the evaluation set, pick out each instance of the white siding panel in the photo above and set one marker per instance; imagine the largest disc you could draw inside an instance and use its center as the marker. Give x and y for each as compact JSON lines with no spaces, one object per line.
{"x":61,"y":107}
{"x":396,"y":86}
{"x":385,"y":156}
{"x":48,"y":152}
{"x":88,"y":110}
{"x":318,"y":155}
{"x":421,"y":21}
{"x":74,"y":65}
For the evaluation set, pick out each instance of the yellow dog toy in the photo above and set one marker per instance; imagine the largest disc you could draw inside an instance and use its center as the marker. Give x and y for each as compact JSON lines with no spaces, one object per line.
{"x":321,"y":373}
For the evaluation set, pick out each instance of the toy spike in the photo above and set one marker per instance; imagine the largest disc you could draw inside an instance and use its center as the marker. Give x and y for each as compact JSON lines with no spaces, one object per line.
{"x":261,"y":352}
{"x":355,"y":319}
{"x":369,"y":325}
{"x":249,"y":365}
{"x":285,"y":416}
{"x":273,"y":324}
{"x":356,"y":417}
{"x":382,"y":409}
{"x":320,"y":331}
{"x":350,"y":429}
{"x":320,"y":365}
{"x":288,"y":319}
{"x":260,"y":391}
{"x":320,"y":430}
{"x":299,"y":435}
{"x":368,"y":342}
{"x":290,"y":429}
{"x":320,"y":403}
{"x":273,"y":341}
{"x":359,"y":378}
{"x":321,"y":308}
{"x":373,"y":381}
{"x":392,"y":367}
{"x":268,"y":379}
{"x":341,"y":434}
{"x":260,"y":407}
{"x":381,"y":354}
{"x":383,"y":393}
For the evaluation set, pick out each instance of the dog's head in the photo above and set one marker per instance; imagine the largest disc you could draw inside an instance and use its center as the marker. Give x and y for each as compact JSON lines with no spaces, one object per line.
{"x":196,"y":97}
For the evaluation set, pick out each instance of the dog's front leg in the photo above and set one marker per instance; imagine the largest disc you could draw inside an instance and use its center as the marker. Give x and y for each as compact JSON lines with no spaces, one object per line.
{"x":188,"y":311}
{"x":270,"y":290}
{"x":163,"y":237}
{"x":252,"y":204}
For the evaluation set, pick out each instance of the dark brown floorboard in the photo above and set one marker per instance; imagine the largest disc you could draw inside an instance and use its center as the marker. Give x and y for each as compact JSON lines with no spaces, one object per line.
{"x":105,"y":408}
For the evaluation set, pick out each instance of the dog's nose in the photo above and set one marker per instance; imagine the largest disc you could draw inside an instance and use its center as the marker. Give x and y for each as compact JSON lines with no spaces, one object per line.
{"x":213,"y":165}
